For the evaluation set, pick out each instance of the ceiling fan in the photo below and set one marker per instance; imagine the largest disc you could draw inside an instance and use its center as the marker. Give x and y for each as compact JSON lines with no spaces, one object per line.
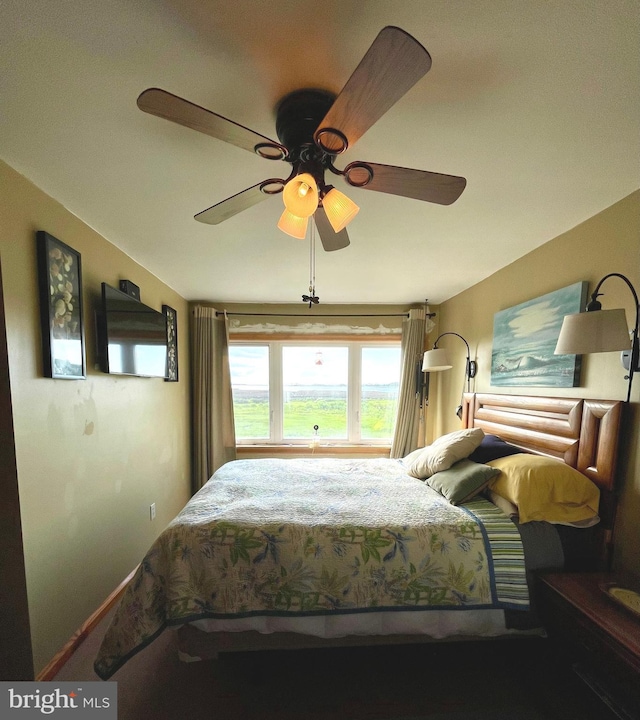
{"x":314,"y":126}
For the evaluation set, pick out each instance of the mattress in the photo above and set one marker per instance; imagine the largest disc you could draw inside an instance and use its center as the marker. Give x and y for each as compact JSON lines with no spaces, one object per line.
{"x":323,"y":546}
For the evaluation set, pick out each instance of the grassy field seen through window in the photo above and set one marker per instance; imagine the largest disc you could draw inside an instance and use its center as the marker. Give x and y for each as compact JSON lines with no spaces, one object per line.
{"x":330,"y":414}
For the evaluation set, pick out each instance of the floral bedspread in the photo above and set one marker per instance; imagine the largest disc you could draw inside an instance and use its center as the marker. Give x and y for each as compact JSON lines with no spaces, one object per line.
{"x":314,"y":536}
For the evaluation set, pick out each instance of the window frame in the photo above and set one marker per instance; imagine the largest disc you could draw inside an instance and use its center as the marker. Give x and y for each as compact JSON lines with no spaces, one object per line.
{"x":354,"y":389}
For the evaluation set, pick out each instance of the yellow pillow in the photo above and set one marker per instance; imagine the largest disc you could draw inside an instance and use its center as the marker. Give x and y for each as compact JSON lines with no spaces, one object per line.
{"x":545,"y":489}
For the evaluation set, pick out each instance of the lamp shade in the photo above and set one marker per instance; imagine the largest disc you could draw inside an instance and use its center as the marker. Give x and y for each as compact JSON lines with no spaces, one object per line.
{"x":339,"y":208}
{"x":293,"y":225}
{"x":593,"y":332}
{"x":435,"y":360}
{"x":300,"y":195}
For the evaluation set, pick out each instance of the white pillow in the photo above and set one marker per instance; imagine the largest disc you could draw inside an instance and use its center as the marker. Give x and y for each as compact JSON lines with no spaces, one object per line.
{"x":444,"y":452}
{"x":408,"y":459}
{"x":507,"y":507}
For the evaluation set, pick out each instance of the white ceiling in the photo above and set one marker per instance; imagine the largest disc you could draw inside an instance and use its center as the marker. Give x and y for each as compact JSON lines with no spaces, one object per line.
{"x":535,"y":102}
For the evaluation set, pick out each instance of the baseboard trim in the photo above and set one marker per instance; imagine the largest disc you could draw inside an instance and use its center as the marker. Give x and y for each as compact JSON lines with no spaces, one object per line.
{"x":52,"y":668}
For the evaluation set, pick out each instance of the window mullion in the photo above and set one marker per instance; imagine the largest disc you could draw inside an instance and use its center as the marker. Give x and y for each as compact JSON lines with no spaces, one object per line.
{"x":353,"y":402}
{"x":275,"y":384}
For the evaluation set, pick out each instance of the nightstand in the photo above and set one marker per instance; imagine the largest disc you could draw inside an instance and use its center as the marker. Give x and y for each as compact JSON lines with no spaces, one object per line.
{"x":601,"y":638}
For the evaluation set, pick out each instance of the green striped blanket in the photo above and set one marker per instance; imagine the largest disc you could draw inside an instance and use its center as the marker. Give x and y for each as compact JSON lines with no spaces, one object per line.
{"x":316,"y":536}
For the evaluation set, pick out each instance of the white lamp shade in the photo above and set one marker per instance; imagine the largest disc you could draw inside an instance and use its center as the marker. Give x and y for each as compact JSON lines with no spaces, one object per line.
{"x":593,"y":332}
{"x":339,"y":208}
{"x":436,"y":360}
{"x":300,"y":195}
{"x":293,"y":225}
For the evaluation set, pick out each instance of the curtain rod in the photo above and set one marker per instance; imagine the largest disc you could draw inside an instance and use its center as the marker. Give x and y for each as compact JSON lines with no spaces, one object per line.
{"x":293,"y":315}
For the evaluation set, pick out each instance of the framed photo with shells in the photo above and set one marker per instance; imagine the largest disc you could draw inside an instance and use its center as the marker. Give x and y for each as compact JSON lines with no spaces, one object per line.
{"x":60,"y":289}
{"x":172,"y":343}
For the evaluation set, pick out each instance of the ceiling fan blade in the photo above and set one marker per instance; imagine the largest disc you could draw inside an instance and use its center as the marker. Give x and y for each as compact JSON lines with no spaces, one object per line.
{"x":392,"y":65}
{"x":417,"y":184}
{"x":330,"y":240}
{"x":237,"y":203}
{"x":171,"y":107}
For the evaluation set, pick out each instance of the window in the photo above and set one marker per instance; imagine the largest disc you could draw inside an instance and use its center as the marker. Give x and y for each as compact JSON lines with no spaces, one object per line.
{"x":250,"y":384}
{"x":282,"y":389}
{"x":315,"y":380}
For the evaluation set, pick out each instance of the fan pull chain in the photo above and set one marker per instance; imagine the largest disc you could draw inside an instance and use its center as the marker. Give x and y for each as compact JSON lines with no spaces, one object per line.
{"x":312,"y":298}
{"x":312,"y":260}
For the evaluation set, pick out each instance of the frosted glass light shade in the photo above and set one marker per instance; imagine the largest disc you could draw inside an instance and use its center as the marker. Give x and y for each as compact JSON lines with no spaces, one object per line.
{"x":436,"y":360}
{"x":300,"y":195}
{"x":593,"y":332}
{"x":339,"y":208}
{"x":293,"y":225}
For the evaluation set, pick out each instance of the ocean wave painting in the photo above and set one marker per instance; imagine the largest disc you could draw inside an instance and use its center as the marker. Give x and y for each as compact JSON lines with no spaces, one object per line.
{"x":525,"y":337}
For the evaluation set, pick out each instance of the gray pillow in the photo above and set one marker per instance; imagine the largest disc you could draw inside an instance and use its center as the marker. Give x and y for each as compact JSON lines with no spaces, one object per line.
{"x":462,"y":481}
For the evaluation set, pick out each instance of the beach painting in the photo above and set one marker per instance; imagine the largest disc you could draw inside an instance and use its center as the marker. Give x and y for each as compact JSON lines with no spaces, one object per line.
{"x":525,"y":336}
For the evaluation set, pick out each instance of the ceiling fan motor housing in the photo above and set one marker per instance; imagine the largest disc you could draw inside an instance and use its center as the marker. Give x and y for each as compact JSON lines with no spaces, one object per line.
{"x":298,"y":115}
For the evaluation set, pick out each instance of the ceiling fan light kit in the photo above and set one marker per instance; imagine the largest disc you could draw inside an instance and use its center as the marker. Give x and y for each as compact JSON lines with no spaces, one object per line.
{"x":300,"y":195}
{"x":293,"y":225}
{"x":314,"y":127}
{"x":339,"y":208}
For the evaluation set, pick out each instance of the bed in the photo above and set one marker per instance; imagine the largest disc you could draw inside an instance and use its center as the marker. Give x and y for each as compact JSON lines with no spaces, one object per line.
{"x":331,"y":552}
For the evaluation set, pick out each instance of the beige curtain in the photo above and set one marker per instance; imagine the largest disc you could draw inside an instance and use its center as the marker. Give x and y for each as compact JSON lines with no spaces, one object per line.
{"x":406,"y":435}
{"x":214,"y":439}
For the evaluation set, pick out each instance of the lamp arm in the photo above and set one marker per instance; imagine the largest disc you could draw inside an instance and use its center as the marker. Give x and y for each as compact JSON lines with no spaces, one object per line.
{"x":472,"y":367}
{"x":595,"y":294}
{"x":435,"y":344}
{"x":596,"y":305}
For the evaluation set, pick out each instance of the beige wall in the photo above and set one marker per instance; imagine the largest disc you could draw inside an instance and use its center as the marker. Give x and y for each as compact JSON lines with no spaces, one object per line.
{"x":92,"y":454}
{"x":607,"y":242}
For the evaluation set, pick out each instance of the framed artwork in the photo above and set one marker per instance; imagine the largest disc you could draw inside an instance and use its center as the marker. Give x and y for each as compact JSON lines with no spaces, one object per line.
{"x":172,"y":343}
{"x":60,"y":289}
{"x":525,"y":337}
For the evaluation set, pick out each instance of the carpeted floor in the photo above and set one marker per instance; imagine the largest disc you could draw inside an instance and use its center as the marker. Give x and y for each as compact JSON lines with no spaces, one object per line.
{"x":502,"y":680}
{"x":515,"y":713}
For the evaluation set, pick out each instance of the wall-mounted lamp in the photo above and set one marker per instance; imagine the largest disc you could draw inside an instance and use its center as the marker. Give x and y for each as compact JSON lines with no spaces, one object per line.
{"x":438,"y":359}
{"x":598,"y":330}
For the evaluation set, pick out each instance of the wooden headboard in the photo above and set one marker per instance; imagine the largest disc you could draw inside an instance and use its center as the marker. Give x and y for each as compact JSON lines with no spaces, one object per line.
{"x":582,"y":433}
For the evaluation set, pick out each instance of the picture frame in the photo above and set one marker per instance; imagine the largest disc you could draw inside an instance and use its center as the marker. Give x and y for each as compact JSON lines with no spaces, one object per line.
{"x":61,"y":308}
{"x":172,"y":343}
{"x":525,"y":337}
